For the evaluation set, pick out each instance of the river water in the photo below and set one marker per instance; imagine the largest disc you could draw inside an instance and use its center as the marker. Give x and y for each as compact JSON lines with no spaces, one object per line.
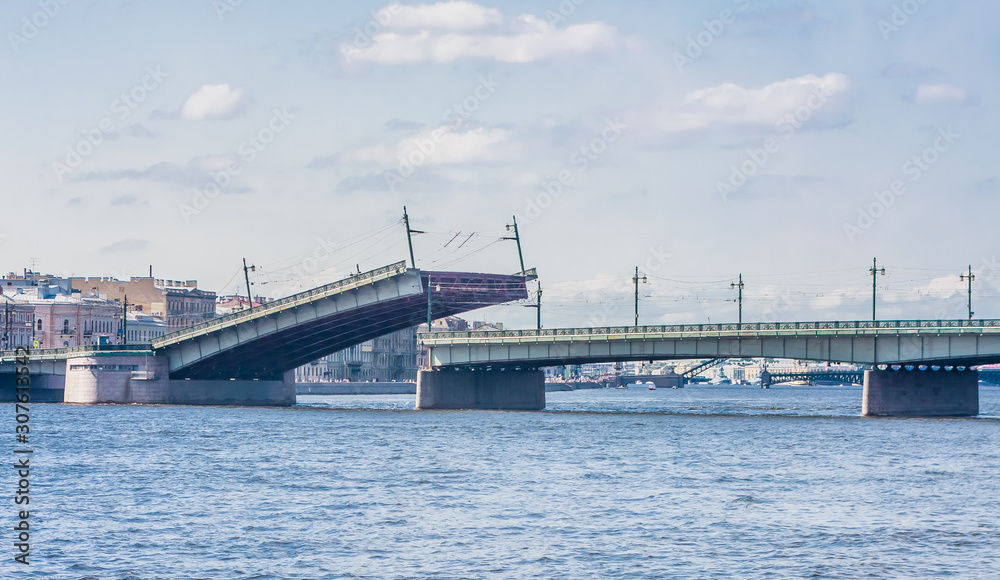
{"x":704,"y":482}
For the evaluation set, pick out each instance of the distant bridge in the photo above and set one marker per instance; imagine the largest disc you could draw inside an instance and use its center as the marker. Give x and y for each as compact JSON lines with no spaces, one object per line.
{"x":990,"y":375}
{"x":836,"y":376}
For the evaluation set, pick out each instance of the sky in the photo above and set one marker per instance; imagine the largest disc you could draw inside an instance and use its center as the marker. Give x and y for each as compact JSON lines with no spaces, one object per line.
{"x":789,"y":142}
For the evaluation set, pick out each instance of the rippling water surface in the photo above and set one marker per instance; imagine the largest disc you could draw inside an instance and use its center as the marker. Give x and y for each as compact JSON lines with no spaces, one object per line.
{"x":694,"y":483}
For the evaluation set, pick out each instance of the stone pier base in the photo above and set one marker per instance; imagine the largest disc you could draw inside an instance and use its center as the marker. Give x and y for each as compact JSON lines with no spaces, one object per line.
{"x":480,"y":389}
{"x":145,"y":380}
{"x":919,"y":393}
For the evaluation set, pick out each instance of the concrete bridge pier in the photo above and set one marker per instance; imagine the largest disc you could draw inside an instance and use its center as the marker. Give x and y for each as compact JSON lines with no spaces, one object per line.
{"x":145,"y":379}
{"x":513,"y":390}
{"x":918,"y":393}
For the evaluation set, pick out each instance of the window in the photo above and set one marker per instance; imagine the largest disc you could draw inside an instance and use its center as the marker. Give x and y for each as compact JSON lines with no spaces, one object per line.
{"x":65,"y":326}
{"x":104,"y":367}
{"x":39,"y":326}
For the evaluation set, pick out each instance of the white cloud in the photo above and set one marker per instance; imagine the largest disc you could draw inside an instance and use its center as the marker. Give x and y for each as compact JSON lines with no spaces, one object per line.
{"x":214,"y":102}
{"x":940,"y":94}
{"x":443,"y":15}
{"x":450,"y":31}
{"x":941,"y":287}
{"x":440,"y":146}
{"x":731,"y":104}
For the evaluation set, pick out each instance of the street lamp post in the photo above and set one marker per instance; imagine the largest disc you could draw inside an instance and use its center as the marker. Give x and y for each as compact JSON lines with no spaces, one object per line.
{"x":874,"y":271}
{"x":970,"y":277}
{"x":409,"y":236}
{"x":124,"y":320}
{"x":430,"y":320}
{"x":246,"y":276}
{"x":635,"y":280}
{"x":739,"y":298}
{"x":516,"y":238}
{"x":538,"y":306}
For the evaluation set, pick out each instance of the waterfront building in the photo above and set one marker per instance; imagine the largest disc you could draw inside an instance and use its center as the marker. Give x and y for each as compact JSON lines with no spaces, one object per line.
{"x":16,"y":321}
{"x":142,"y":328}
{"x":179,"y":303}
{"x":229,"y":304}
{"x":65,"y":320}
{"x":389,"y":358}
{"x":393,"y":357}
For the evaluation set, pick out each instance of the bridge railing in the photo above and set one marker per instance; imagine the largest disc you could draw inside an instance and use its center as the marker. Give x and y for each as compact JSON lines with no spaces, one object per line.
{"x":281,"y":304}
{"x":36,"y":353}
{"x":814,"y":372}
{"x":750,"y":327}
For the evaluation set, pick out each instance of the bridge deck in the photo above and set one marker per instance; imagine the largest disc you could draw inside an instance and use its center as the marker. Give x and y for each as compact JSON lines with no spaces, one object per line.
{"x":884,"y":342}
{"x":289,"y":303}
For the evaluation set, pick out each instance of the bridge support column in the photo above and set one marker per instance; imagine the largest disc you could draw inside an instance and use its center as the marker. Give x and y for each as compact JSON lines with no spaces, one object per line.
{"x":481,"y":389}
{"x":145,"y":379}
{"x":919,"y":393}
{"x":94,"y":379}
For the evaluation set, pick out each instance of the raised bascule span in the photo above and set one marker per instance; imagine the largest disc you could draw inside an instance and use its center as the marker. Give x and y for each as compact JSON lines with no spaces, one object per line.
{"x":248,"y":358}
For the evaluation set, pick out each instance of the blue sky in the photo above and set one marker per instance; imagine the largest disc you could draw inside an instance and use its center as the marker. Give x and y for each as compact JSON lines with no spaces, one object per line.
{"x":696,"y":140}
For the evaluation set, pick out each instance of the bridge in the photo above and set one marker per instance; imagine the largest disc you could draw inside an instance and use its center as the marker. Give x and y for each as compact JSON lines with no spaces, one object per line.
{"x":769,"y":377}
{"x":919,"y":366}
{"x":248,"y":357}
